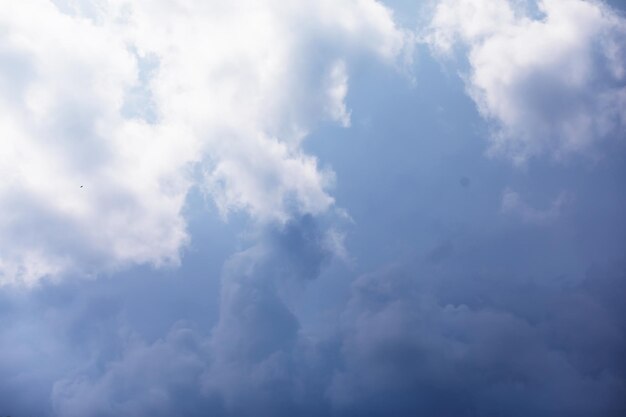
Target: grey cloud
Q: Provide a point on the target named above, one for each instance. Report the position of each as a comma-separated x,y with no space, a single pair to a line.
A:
414,338
418,344
255,360
158,379
261,363
420,337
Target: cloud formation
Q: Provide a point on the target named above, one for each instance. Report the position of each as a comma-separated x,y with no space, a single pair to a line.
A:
112,110
452,345
513,203
552,80
446,307
255,361
412,339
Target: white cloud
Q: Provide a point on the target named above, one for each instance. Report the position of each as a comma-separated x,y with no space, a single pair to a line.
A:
262,176
513,203
337,89
553,84
125,97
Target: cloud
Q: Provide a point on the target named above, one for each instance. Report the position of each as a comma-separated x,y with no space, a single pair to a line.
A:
262,363
109,110
160,379
513,203
459,346
449,333
63,130
254,361
337,89
552,81
411,340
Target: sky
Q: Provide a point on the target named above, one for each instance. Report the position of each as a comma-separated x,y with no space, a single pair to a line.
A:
313,208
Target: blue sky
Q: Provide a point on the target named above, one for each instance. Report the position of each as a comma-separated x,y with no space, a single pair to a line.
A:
332,208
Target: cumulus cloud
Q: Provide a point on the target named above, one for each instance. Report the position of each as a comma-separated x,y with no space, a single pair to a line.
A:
412,339
551,80
62,131
254,362
445,335
108,108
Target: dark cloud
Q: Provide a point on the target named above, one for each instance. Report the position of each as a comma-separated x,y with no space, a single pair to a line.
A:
417,345
260,359
254,361
413,339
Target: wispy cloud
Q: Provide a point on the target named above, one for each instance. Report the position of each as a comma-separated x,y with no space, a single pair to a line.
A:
513,203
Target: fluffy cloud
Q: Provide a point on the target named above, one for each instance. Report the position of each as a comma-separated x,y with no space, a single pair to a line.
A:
78,181
110,109
553,81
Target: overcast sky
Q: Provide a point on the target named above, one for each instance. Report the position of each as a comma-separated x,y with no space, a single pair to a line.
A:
312,208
